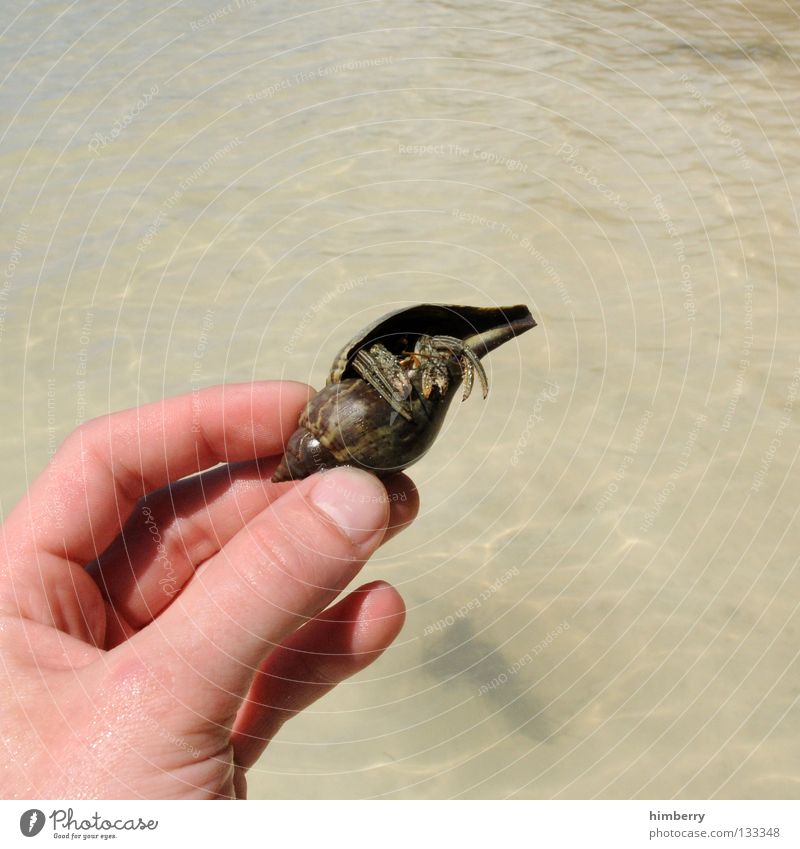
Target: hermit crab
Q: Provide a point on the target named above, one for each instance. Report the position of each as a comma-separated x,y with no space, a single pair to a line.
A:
389,388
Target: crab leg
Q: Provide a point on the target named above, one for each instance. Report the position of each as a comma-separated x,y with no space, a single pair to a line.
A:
373,367
468,360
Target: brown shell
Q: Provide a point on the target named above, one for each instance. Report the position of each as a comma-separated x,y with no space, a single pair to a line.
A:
402,327
349,423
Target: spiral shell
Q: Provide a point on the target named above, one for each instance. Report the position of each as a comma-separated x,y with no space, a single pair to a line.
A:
389,388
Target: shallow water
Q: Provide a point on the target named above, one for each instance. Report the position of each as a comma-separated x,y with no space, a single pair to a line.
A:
602,584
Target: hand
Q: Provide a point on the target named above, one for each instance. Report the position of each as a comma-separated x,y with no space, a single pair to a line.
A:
156,630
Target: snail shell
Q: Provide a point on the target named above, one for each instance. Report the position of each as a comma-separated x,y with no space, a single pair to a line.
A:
385,416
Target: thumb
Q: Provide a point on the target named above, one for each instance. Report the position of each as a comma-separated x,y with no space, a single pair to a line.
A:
278,572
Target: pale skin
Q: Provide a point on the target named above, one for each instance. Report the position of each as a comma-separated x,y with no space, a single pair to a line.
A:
157,630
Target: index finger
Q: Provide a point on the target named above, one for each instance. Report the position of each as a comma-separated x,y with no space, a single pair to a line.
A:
80,502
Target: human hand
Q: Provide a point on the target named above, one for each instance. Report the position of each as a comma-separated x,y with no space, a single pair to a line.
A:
156,630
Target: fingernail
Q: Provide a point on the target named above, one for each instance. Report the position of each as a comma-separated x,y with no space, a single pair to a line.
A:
355,500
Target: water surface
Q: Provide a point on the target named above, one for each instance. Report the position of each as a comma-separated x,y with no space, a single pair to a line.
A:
602,584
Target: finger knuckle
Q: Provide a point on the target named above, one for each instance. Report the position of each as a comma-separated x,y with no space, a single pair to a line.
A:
273,549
